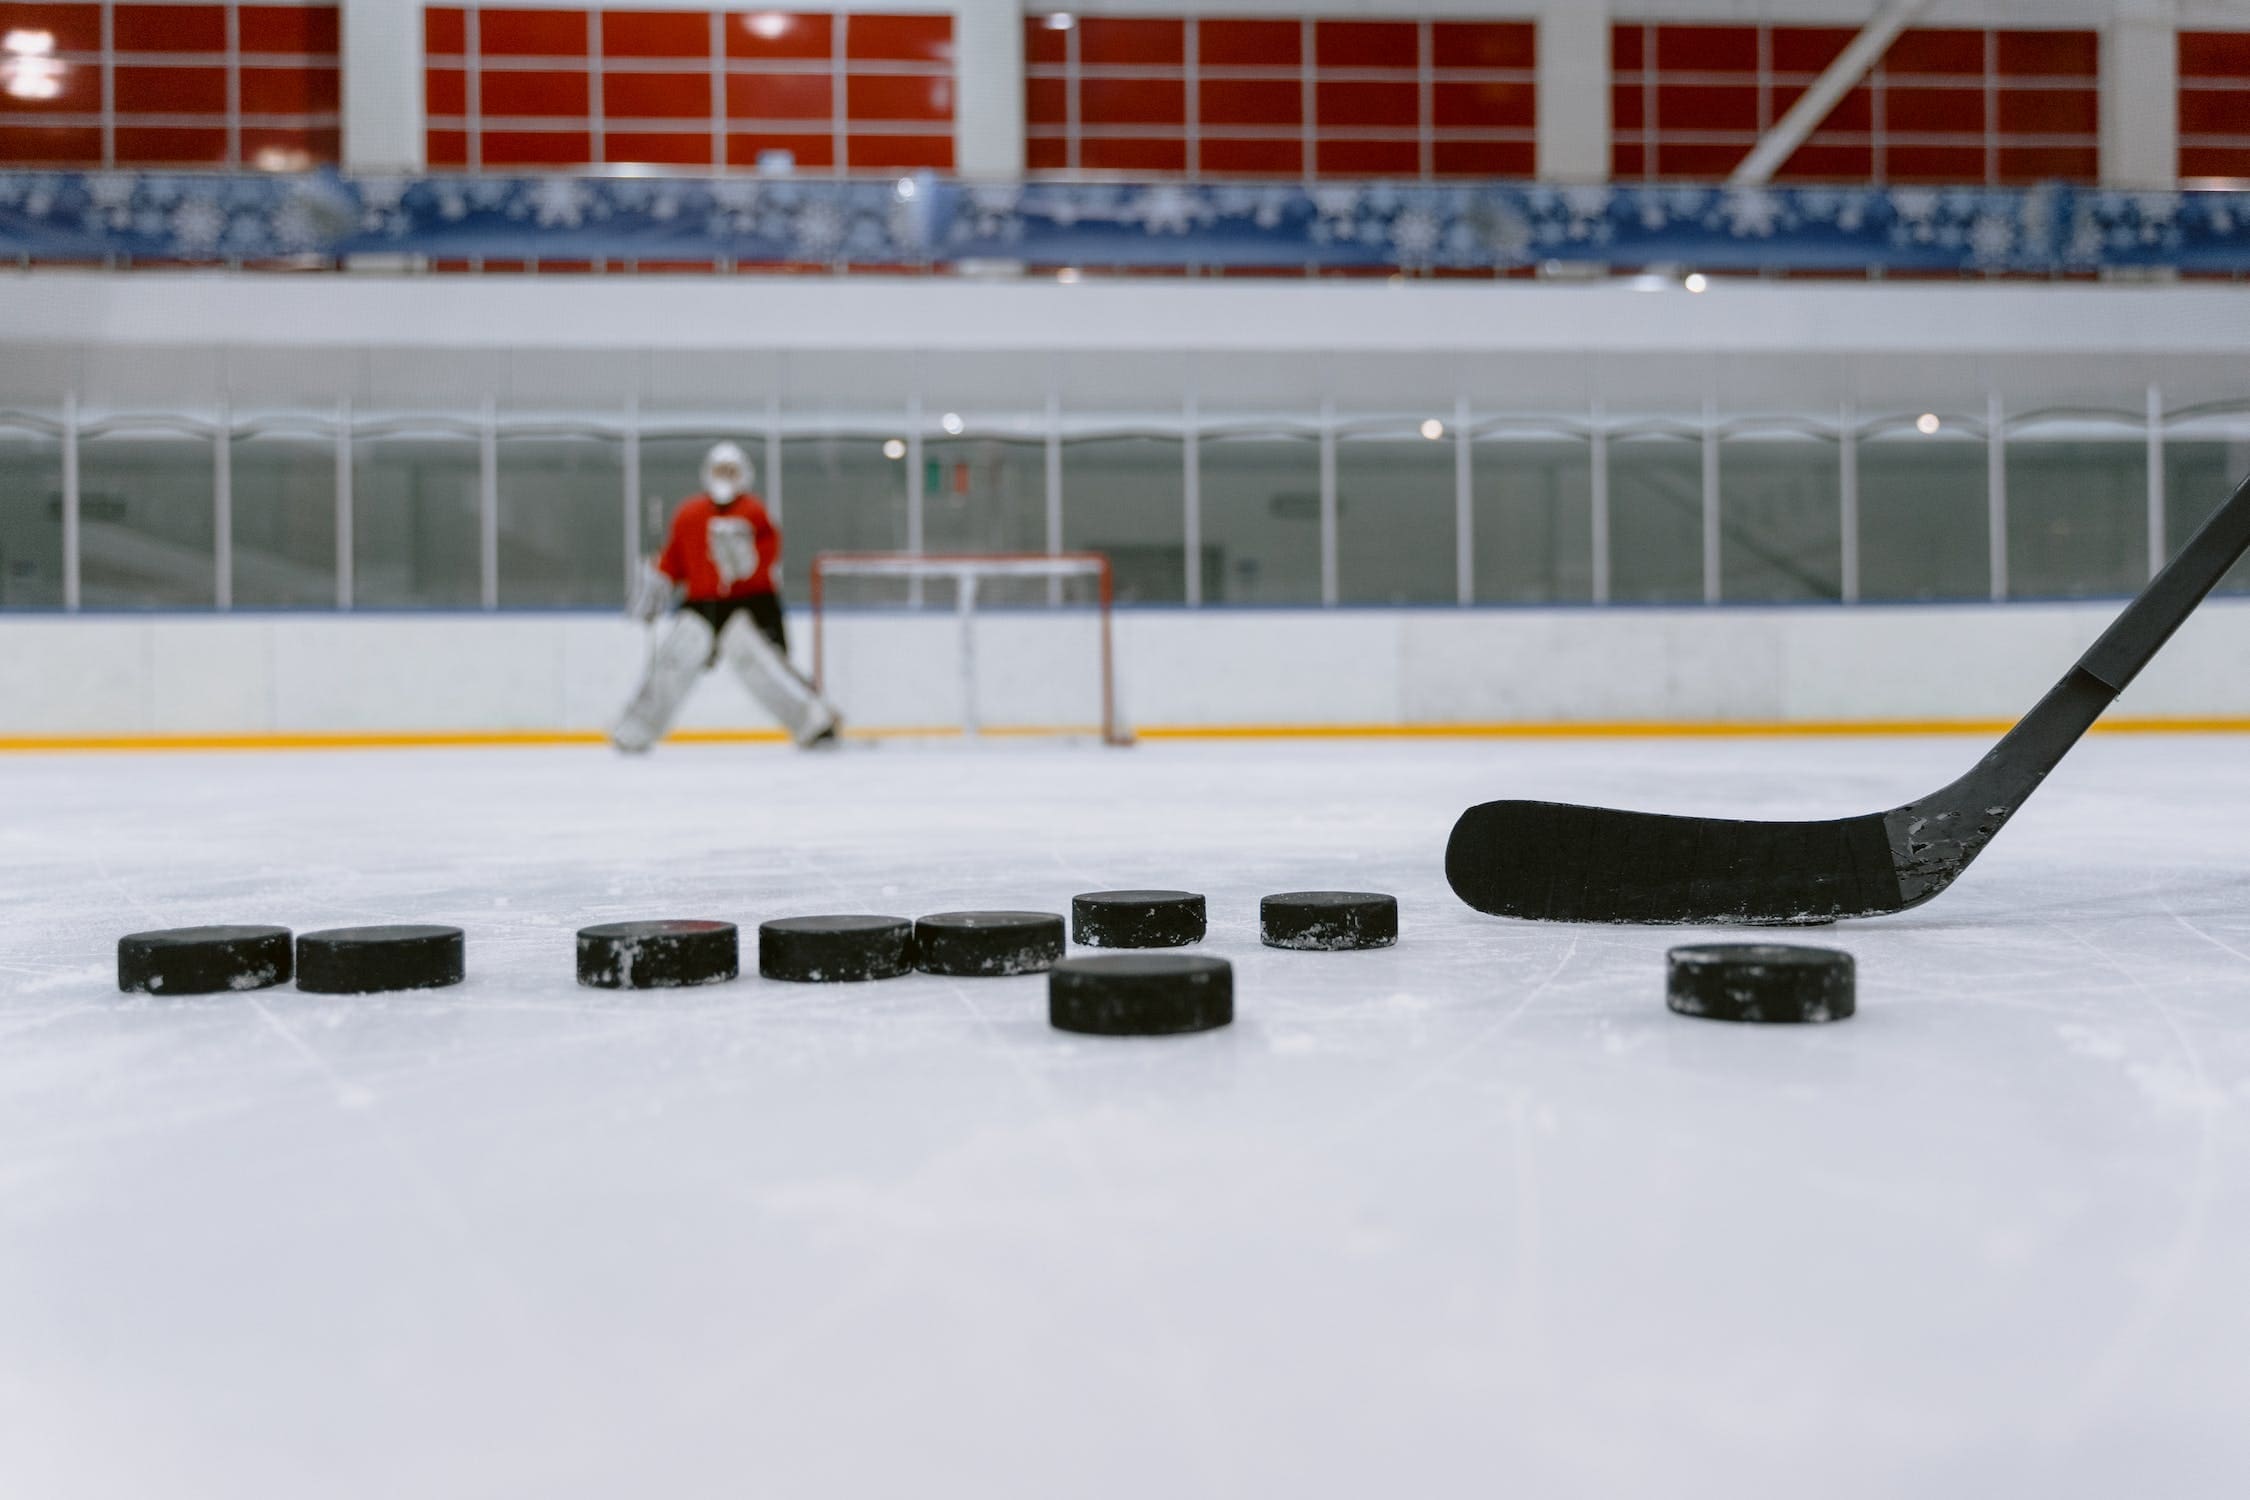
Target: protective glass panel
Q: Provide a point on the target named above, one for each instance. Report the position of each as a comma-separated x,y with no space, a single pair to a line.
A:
1261,517
415,537
842,495
1396,522
31,529
1780,509
284,522
1534,520
2199,475
2077,518
982,494
561,521
1923,529
146,530
1655,520
1127,498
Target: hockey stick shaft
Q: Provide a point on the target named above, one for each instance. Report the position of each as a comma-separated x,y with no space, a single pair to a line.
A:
2148,622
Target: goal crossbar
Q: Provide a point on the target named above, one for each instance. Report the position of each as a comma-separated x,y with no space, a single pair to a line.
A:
965,570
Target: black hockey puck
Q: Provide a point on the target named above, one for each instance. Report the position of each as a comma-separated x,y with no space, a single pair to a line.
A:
1328,920
1140,994
1136,919
975,944
1771,982
657,955
202,960
373,960
823,950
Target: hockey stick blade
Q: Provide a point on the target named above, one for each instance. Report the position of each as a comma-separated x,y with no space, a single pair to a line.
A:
1562,863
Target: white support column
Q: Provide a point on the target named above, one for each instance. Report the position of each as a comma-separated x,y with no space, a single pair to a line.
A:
1054,474
488,507
1711,553
383,101
2140,95
988,88
2159,546
1464,508
1573,91
914,493
1598,478
1847,500
222,510
776,501
1191,498
1996,490
346,582
1328,576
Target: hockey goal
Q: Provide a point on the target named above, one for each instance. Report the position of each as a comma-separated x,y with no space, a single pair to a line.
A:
1032,651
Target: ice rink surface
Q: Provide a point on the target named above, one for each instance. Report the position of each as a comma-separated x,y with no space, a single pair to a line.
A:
1471,1216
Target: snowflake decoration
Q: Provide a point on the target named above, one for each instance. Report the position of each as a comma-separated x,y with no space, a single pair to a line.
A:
1414,236
299,225
817,230
1991,238
562,201
1751,213
1335,203
198,225
1163,210
111,196
13,185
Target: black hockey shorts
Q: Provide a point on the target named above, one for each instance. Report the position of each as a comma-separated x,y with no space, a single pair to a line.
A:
764,611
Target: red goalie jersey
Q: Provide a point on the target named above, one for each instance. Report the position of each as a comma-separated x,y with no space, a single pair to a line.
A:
722,551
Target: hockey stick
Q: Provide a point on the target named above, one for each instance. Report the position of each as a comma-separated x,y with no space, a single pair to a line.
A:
1564,863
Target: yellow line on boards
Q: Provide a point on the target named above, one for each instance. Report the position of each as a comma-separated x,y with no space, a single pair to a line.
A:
1634,729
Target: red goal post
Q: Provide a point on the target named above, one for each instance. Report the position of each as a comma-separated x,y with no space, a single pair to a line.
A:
965,571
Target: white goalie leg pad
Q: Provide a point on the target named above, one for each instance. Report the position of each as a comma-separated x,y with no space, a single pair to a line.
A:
774,683
679,660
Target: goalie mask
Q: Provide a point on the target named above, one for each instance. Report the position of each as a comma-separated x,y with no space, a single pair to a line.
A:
727,472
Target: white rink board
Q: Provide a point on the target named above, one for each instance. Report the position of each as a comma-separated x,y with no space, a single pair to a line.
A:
1474,1215
256,674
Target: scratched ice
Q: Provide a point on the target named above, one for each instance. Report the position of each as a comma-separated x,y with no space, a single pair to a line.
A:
1471,1216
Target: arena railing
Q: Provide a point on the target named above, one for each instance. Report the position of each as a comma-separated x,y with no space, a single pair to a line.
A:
929,223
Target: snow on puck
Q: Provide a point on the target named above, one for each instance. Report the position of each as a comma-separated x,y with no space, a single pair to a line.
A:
1772,982
974,944
1140,994
657,955
202,960
823,950
1328,920
374,960
1136,919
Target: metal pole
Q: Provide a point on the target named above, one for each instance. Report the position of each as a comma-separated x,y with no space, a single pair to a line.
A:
1191,477
632,497
488,506
222,511
1710,500
72,594
344,580
773,495
1464,509
1328,589
1996,490
2158,547
1598,474
1847,500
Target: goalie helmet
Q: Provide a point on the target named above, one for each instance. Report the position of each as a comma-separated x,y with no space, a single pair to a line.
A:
727,472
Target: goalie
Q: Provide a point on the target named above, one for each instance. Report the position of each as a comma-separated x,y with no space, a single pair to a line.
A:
715,576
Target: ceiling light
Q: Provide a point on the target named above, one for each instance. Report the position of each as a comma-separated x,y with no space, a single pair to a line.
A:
894,448
1696,282
1061,20
1927,423
1432,428
1068,276
769,24
952,423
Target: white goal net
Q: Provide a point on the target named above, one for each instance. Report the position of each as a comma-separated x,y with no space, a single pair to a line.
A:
974,643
